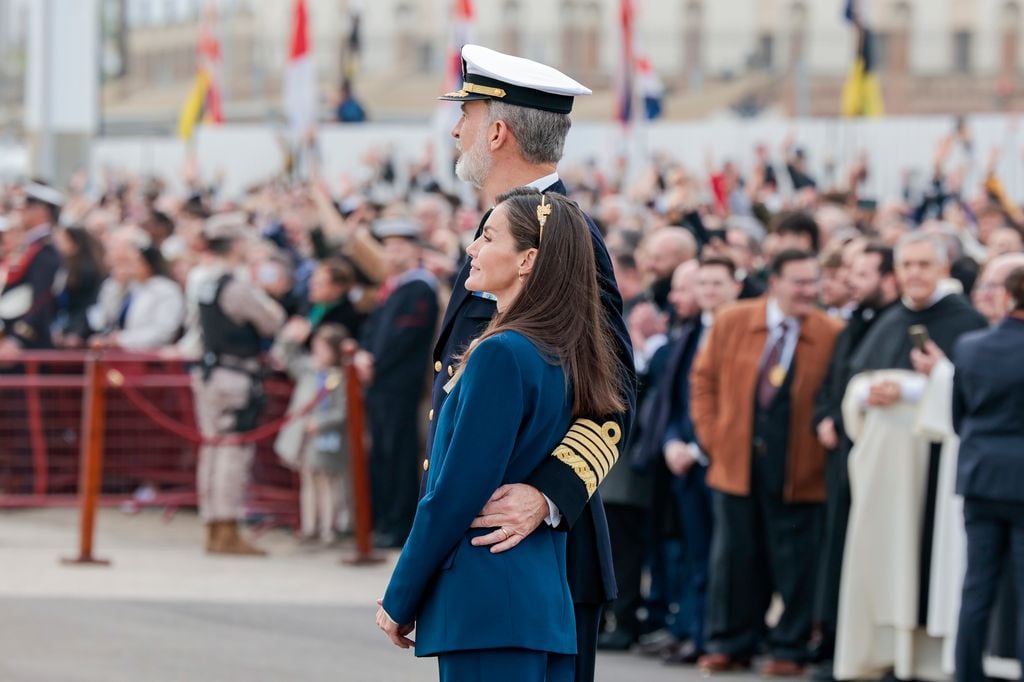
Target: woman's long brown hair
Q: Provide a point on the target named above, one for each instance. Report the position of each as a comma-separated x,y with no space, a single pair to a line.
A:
559,308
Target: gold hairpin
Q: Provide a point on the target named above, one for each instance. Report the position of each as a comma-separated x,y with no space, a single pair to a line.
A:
543,211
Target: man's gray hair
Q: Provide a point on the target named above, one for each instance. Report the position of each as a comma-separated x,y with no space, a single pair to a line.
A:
937,242
540,134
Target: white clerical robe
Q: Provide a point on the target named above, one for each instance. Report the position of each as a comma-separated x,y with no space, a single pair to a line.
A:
877,629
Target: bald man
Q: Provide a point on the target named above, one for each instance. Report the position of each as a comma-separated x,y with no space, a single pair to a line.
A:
664,250
990,296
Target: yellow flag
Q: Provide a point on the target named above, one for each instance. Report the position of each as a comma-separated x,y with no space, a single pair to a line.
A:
193,107
862,93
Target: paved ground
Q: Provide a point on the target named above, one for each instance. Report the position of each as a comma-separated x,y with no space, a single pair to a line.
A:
165,612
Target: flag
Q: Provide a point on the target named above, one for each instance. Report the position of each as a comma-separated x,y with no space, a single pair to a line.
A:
300,96
624,98
204,100
462,24
651,88
354,42
192,111
461,31
862,93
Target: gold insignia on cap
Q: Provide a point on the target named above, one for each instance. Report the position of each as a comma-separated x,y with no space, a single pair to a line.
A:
458,93
483,90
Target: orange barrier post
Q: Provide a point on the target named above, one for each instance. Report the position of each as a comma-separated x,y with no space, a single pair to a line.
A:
91,459
364,553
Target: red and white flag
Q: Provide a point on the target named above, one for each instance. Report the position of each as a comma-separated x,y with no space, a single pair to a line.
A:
300,96
208,50
624,82
461,33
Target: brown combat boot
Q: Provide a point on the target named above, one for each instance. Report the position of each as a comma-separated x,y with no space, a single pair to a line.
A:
230,541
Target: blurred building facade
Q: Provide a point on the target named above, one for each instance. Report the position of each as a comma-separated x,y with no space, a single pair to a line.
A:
785,56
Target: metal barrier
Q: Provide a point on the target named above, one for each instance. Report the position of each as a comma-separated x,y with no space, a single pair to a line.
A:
43,405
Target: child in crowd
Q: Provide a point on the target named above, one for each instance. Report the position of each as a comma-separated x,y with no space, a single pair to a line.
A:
316,444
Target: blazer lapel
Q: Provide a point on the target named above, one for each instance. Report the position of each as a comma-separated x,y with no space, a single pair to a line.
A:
459,296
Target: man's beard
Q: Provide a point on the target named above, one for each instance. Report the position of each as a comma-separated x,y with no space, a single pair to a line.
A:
874,301
474,165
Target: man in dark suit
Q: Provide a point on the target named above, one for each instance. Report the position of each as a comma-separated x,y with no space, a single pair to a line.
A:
28,302
396,342
988,414
670,436
515,116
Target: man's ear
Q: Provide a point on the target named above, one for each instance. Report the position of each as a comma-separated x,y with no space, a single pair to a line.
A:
498,135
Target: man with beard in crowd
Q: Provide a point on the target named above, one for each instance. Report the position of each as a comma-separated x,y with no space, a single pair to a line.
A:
874,289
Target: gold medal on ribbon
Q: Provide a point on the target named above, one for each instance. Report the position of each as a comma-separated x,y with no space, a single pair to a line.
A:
777,375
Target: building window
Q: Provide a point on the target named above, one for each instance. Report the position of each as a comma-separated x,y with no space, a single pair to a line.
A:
764,57
692,45
1011,33
963,42
511,16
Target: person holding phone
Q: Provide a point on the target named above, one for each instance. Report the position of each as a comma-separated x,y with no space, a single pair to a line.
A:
901,376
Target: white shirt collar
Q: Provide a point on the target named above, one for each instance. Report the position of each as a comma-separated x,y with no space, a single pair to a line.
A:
945,288
707,318
775,317
541,184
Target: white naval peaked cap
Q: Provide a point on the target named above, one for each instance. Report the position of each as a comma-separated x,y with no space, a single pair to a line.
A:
44,194
487,74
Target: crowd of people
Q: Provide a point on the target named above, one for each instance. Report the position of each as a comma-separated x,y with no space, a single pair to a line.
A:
793,452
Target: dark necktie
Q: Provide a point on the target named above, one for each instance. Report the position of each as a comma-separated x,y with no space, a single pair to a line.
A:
772,373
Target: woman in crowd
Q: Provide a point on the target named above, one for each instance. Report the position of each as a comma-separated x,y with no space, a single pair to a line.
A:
543,360
140,307
83,265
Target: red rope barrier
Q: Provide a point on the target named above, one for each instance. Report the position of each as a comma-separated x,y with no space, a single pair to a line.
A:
116,379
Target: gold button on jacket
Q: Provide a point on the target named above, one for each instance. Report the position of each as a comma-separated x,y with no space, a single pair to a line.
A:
437,366
426,464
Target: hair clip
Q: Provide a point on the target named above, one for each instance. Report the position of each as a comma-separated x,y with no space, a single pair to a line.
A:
543,211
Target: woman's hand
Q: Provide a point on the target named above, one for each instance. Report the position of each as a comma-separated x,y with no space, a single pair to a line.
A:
395,632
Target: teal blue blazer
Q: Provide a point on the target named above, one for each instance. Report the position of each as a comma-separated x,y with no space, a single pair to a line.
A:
503,417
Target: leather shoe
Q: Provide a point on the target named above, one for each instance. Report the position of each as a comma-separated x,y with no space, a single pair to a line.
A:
823,672
387,541
721,663
655,643
684,653
614,640
777,667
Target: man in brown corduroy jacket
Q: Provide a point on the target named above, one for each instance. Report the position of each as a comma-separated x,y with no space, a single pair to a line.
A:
752,402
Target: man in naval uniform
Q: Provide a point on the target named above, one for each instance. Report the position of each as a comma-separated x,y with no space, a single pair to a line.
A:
234,318
28,301
515,117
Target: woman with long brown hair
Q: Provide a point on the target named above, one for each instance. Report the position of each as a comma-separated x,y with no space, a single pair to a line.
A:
545,359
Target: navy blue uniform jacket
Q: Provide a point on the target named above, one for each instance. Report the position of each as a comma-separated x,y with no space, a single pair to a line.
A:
570,480
506,412
988,412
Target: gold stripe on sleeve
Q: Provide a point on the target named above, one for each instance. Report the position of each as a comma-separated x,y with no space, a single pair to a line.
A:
581,468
